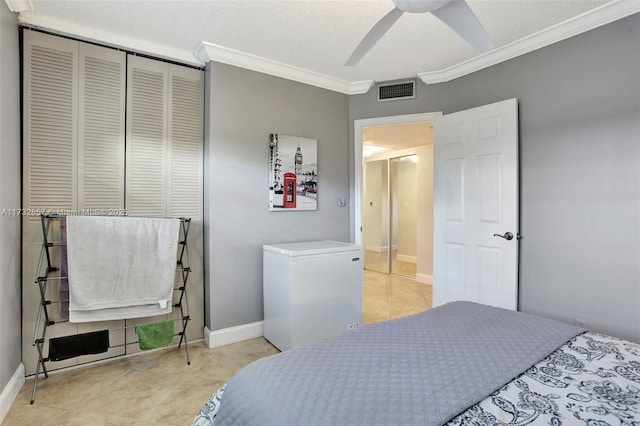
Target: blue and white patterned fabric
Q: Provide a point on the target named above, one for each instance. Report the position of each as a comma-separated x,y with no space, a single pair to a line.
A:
592,380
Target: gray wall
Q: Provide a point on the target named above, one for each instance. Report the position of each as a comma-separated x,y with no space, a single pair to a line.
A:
243,108
579,104
10,303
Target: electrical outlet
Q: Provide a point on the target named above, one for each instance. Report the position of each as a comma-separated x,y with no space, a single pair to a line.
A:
580,323
353,326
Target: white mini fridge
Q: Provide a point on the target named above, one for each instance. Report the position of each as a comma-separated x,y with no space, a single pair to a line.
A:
312,290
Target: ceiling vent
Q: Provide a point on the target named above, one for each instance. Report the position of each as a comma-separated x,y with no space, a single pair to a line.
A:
397,91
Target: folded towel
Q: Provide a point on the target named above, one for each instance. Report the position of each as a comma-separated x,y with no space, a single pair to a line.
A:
61,348
120,267
63,288
155,334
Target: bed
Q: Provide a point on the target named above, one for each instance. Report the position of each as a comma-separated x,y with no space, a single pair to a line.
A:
458,364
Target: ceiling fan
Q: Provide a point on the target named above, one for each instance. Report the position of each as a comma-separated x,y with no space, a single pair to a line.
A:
455,13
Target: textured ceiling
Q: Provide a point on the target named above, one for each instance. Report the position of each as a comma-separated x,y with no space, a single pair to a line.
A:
315,35
397,136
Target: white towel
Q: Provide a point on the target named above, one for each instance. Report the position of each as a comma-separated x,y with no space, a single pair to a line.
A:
120,267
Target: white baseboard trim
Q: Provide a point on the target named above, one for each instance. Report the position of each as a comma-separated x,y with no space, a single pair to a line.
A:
10,391
235,334
377,249
406,258
424,278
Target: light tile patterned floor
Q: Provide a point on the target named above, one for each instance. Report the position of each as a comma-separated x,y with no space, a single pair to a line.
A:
389,296
159,388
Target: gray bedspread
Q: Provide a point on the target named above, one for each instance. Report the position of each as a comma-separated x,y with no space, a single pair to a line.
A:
420,370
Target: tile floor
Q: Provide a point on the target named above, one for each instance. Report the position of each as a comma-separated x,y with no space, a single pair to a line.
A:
388,296
159,388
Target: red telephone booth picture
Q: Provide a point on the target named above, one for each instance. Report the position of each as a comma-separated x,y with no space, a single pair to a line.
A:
289,191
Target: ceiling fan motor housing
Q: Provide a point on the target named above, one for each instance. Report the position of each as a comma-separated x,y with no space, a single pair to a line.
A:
420,6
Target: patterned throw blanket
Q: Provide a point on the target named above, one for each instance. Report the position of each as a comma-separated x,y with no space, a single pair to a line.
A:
422,369
593,380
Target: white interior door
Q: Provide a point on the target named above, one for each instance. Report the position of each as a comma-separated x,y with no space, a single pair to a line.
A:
476,206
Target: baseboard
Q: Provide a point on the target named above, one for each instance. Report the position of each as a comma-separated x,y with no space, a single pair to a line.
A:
424,278
235,334
376,249
10,391
406,258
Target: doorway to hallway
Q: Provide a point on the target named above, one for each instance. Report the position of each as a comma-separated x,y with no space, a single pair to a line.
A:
397,199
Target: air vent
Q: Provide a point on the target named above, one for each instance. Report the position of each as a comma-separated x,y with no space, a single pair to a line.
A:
397,91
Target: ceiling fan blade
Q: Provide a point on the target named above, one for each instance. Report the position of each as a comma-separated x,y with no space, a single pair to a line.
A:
372,37
459,16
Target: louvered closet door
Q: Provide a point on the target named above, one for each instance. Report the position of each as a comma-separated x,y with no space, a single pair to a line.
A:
164,156
76,156
73,155
50,121
146,137
101,129
50,140
184,186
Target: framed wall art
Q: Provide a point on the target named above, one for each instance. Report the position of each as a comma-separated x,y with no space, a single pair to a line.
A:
293,173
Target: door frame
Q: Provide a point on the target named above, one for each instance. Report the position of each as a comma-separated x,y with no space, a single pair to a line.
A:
358,160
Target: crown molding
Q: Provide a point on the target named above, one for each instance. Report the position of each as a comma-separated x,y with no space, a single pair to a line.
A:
589,20
19,5
360,87
206,51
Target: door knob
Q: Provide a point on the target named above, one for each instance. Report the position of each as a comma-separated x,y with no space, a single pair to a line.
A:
506,236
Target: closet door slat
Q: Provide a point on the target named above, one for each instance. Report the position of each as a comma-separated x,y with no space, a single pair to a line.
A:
101,128
50,122
146,137
184,186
